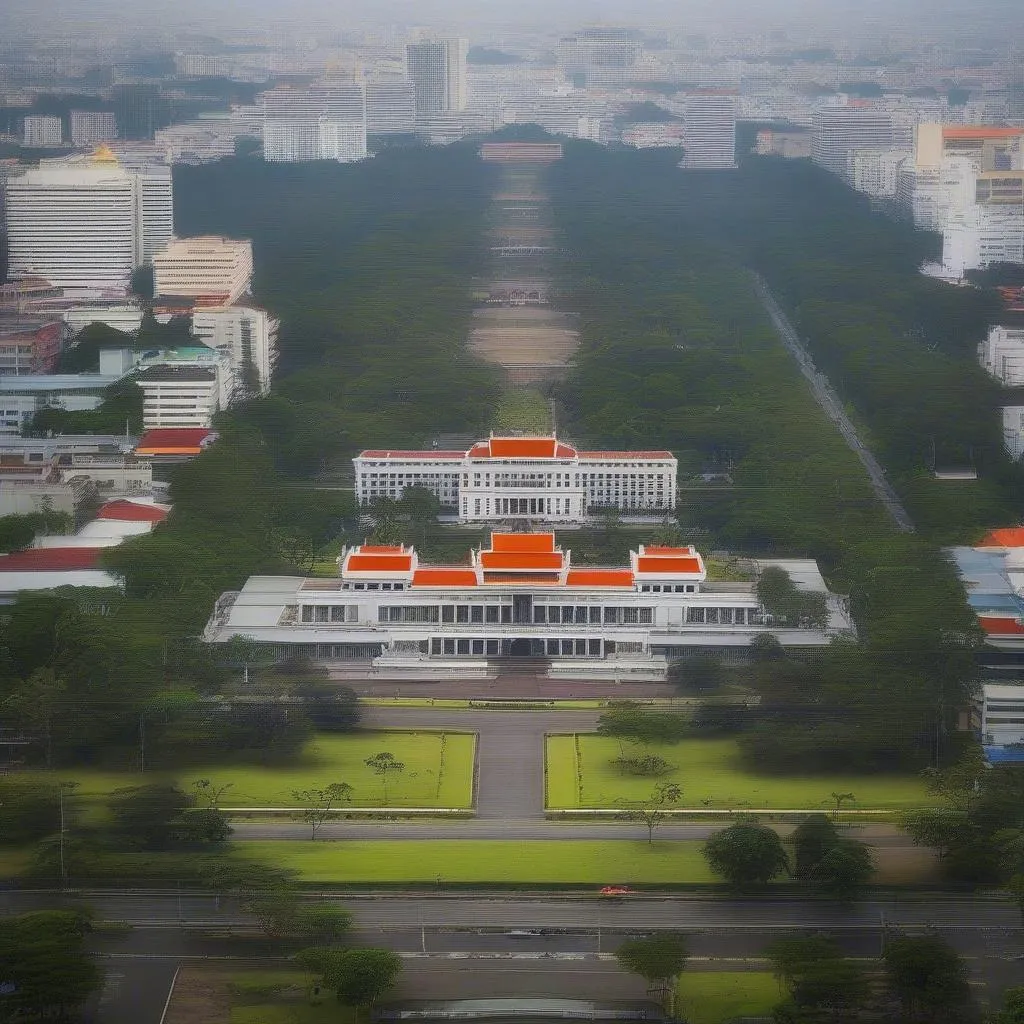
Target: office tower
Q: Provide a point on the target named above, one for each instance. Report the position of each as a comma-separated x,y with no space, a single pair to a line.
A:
709,129
322,122
42,131
208,268
156,198
837,130
437,70
390,105
81,223
140,109
600,56
247,335
91,126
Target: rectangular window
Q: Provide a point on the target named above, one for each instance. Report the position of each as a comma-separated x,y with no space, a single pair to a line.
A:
307,613
581,614
712,616
540,614
506,614
555,614
595,616
725,616
462,613
478,647
611,616
463,647
646,616
552,646
338,613
476,613
567,646
493,613
594,648
695,615
493,648
630,616
447,613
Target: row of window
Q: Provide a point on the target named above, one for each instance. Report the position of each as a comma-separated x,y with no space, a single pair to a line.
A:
330,613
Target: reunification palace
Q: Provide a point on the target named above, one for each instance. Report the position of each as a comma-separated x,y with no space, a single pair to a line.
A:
540,479
519,597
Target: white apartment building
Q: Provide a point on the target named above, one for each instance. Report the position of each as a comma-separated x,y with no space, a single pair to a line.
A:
390,105
1013,430
985,226
709,119
837,130
322,122
91,126
1002,355
86,223
999,715
209,268
520,596
875,172
39,131
437,70
247,335
184,389
523,478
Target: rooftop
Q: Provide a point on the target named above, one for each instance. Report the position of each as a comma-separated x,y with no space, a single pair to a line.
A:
174,374
175,441
50,560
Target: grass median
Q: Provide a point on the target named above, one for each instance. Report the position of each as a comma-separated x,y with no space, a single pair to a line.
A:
711,997
580,774
585,862
438,772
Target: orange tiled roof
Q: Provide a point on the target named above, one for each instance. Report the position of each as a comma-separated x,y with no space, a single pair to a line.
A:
599,578
648,564
378,563
657,549
522,542
382,549
521,560
1011,537
444,577
995,625
504,577
979,132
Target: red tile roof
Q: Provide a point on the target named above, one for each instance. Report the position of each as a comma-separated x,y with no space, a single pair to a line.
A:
505,577
1011,537
668,566
980,132
522,542
378,563
444,577
521,560
995,625
382,549
175,441
522,448
51,560
131,512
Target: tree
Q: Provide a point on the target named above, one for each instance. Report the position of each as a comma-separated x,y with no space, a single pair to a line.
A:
47,971
420,508
699,674
929,979
659,959
384,764
1016,888
812,839
359,976
840,798
1013,1007
208,793
35,702
746,853
719,719
324,923
816,977
653,811
331,708
147,817
844,870
317,804
28,812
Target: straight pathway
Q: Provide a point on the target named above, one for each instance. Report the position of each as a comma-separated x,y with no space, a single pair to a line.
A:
832,407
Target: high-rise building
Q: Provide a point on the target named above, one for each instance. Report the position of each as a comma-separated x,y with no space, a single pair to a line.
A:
85,223
214,270
437,70
247,335
323,122
91,126
600,56
41,131
837,130
709,129
390,105
140,109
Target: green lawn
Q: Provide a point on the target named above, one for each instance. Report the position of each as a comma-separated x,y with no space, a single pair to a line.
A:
13,861
282,997
710,774
327,758
590,862
710,997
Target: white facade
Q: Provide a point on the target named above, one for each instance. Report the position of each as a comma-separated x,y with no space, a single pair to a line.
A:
183,394
709,119
42,131
653,135
91,126
86,223
999,715
248,336
1002,355
521,596
1013,430
437,70
322,122
207,266
837,130
875,172
540,479
390,105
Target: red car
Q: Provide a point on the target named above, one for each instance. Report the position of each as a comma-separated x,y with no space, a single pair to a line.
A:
615,890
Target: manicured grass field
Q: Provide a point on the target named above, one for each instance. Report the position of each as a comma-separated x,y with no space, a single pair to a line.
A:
590,862
327,758
710,997
282,997
710,774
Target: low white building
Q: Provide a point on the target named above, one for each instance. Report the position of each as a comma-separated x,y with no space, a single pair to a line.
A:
1002,354
518,597
999,715
875,171
91,126
183,389
40,131
523,478
209,268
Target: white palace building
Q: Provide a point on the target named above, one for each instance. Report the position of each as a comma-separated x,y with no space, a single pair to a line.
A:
527,478
519,597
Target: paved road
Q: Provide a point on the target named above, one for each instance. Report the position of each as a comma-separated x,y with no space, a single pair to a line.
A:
525,828
832,407
510,753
